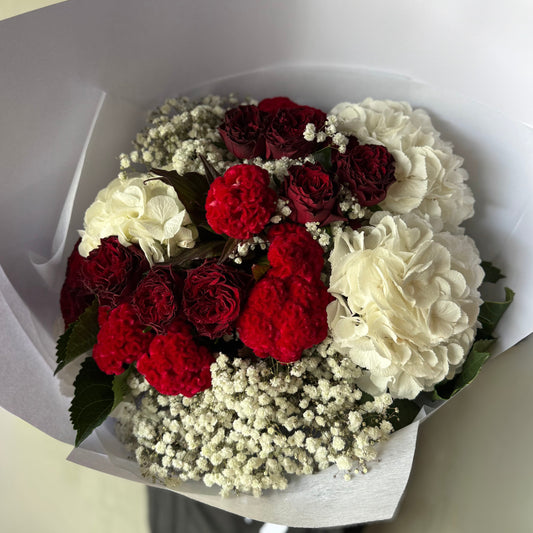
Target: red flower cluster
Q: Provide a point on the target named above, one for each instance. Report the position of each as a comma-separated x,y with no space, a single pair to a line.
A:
121,339
212,298
286,310
240,203
273,129
176,364
367,169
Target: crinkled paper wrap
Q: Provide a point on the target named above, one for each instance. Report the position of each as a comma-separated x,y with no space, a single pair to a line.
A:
52,183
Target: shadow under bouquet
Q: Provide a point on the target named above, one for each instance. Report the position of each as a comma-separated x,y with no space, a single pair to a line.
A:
267,289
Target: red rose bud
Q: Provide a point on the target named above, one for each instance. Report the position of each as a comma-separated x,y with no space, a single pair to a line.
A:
273,105
284,136
284,316
75,296
158,298
243,131
367,169
240,203
112,271
212,298
175,364
121,339
312,195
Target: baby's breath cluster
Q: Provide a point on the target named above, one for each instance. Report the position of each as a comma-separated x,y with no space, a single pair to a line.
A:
259,423
178,132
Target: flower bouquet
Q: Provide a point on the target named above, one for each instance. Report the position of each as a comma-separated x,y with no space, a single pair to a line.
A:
269,290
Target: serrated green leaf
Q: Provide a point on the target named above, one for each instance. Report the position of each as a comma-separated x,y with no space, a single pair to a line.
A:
407,411
490,314
79,337
191,189
492,274
96,394
476,358
93,399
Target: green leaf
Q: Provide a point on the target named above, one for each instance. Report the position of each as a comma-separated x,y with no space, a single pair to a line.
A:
491,312
406,413
230,246
96,394
210,172
476,358
206,250
323,157
191,189
492,274
79,337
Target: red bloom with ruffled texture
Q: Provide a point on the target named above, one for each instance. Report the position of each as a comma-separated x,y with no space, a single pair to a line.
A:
293,252
121,339
112,271
75,296
176,364
240,203
284,316
157,298
273,105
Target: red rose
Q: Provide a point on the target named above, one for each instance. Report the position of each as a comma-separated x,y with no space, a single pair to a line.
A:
367,169
243,131
293,252
284,316
240,203
121,339
158,298
175,364
212,298
311,194
112,271
273,105
75,296
284,136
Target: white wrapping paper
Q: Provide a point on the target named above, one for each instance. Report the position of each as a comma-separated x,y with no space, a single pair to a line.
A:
80,84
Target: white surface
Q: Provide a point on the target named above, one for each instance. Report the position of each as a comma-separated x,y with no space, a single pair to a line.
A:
57,62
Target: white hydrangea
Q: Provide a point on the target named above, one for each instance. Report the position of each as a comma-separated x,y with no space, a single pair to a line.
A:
406,302
147,213
430,180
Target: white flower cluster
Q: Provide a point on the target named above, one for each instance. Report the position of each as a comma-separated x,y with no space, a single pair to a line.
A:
178,132
139,210
406,302
430,180
257,424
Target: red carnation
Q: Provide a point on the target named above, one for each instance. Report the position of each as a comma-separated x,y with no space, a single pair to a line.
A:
273,105
175,364
212,298
243,131
293,252
112,271
367,169
75,296
312,195
284,316
284,136
121,339
240,203
158,297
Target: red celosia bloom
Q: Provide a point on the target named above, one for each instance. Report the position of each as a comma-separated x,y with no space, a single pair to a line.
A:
273,105
121,340
284,316
240,203
175,364
293,251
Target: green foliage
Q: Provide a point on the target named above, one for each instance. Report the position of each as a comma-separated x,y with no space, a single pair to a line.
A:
405,412
96,394
79,337
492,274
490,314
